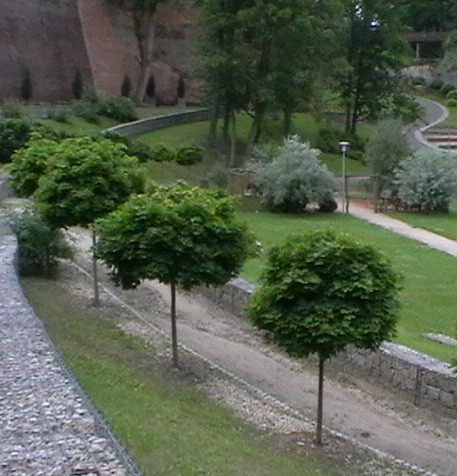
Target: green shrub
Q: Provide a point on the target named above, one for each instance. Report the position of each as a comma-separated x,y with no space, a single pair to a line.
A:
162,153
40,246
189,155
328,205
452,102
14,133
427,180
60,114
294,178
120,109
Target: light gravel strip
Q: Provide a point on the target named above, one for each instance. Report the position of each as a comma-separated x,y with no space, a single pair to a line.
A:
256,391
48,426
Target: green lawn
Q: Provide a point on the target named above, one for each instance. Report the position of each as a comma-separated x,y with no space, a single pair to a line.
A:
429,299
168,428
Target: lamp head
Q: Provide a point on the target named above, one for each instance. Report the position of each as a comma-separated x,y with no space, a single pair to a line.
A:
344,145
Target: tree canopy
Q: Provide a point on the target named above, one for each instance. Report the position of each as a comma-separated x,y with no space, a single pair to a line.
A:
86,179
322,292
180,235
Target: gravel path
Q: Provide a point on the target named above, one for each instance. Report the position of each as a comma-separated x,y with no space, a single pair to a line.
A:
48,428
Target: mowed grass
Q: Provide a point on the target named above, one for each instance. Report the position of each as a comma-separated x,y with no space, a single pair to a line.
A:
428,297
168,428
305,125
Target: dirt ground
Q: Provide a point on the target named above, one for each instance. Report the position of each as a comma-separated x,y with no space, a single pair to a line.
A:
231,362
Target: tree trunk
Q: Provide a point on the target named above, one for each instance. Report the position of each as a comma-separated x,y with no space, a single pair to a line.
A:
233,139
320,400
144,32
174,333
287,122
256,128
95,269
212,135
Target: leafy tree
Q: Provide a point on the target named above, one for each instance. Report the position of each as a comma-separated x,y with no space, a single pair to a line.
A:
427,180
263,56
189,155
375,52
429,15
40,245
384,151
180,235
322,292
161,153
86,179
143,20
294,177
29,164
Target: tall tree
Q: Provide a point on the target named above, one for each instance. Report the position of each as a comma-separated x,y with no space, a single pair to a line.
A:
182,236
322,292
86,179
264,55
143,12
429,15
374,52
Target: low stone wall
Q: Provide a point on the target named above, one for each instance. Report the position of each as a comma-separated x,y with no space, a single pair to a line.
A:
426,381
136,128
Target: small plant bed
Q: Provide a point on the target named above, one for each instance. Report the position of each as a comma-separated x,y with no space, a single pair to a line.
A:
163,416
428,298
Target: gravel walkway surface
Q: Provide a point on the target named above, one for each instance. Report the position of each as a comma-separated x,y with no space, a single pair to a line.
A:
47,425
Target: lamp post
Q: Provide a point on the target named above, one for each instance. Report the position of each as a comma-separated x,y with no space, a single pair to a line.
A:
345,202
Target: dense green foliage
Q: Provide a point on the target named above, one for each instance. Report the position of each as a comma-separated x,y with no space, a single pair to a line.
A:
29,164
189,155
427,181
374,52
182,236
178,234
294,178
321,292
40,245
86,179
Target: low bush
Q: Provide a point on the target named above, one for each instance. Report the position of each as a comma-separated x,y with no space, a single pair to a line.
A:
294,178
189,155
40,246
427,180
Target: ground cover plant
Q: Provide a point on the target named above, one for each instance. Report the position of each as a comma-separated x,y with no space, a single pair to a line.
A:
167,427
427,299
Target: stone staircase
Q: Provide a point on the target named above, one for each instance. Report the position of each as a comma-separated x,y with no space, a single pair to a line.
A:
442,137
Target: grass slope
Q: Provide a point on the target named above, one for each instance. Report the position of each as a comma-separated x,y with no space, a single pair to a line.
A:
428,297
168,428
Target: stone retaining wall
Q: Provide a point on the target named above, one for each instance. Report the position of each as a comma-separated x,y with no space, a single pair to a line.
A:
426,381
136,128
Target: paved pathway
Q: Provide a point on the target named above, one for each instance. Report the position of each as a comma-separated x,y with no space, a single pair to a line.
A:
432,240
